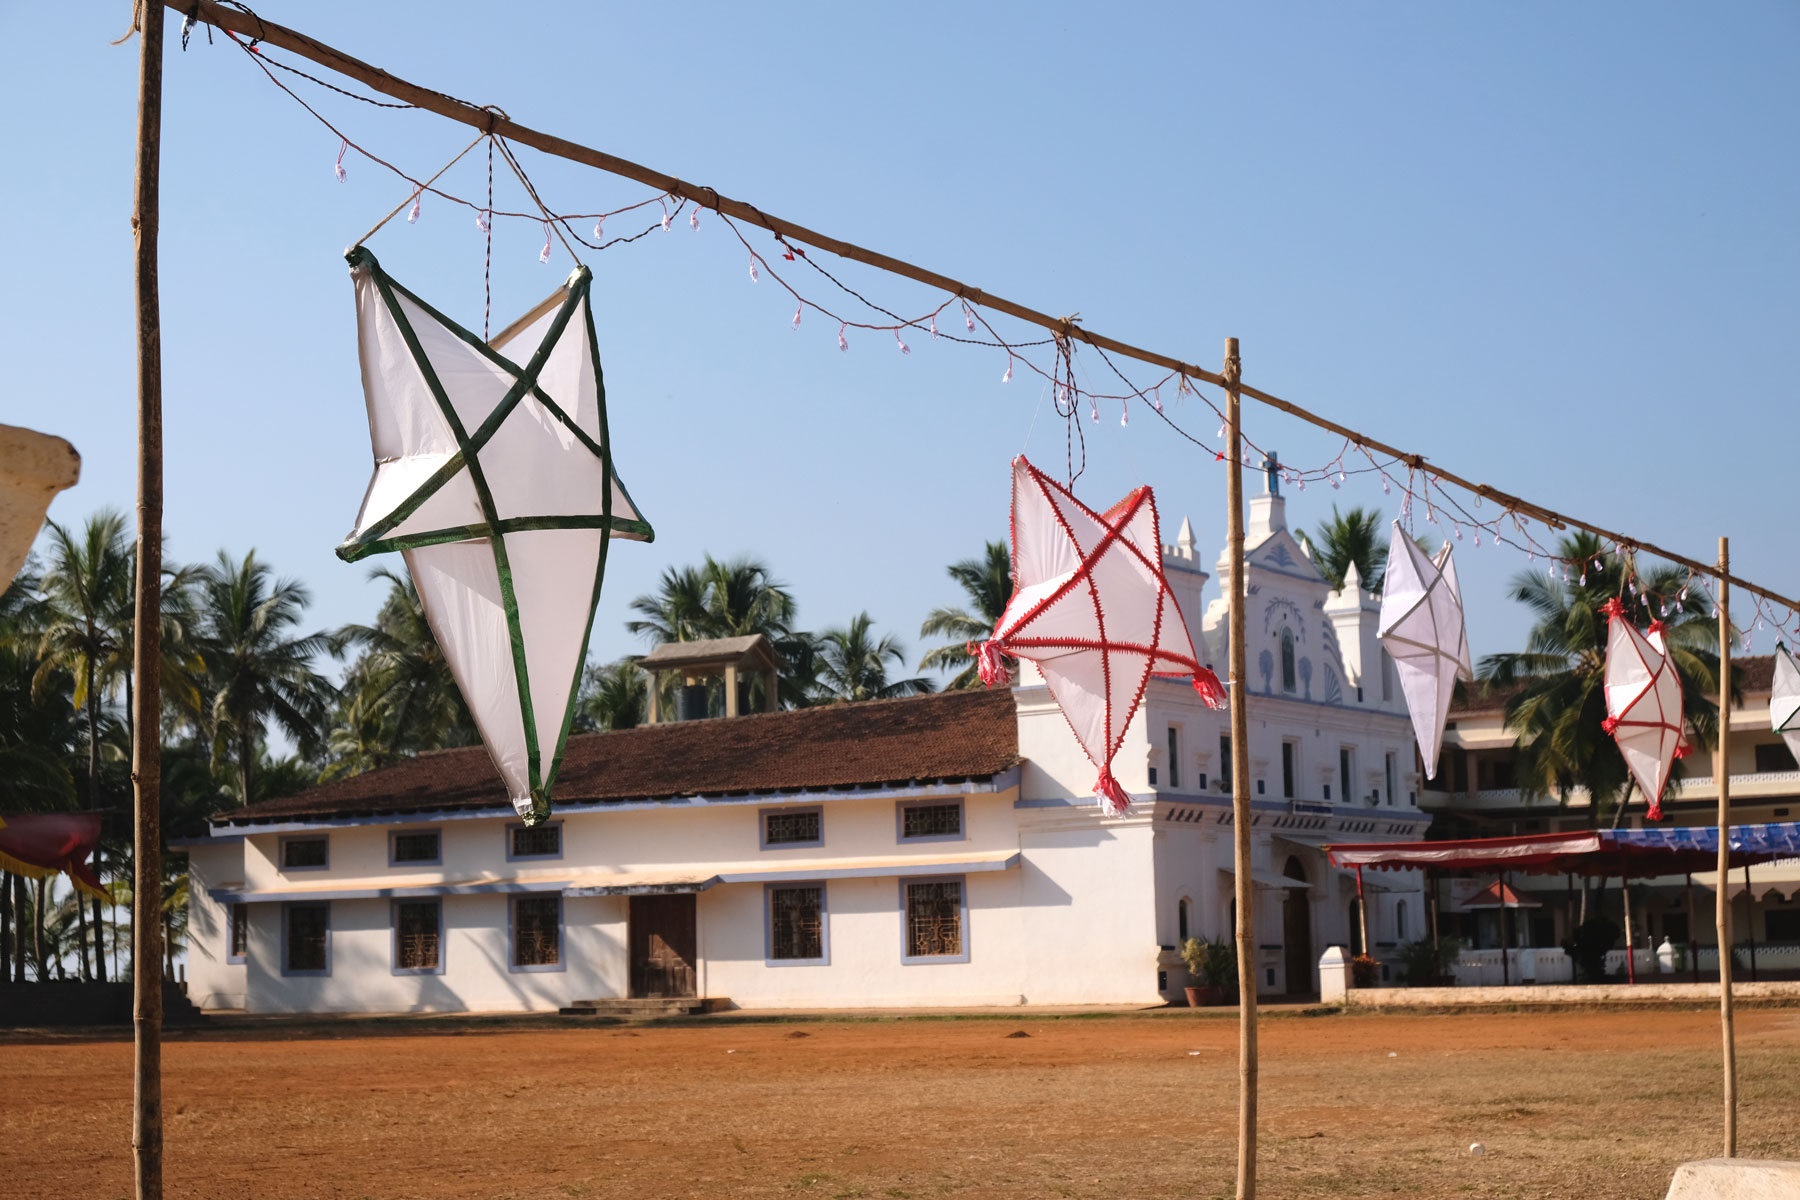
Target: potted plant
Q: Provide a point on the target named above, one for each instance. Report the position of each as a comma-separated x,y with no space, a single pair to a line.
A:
1214,964
1425,963
1364,971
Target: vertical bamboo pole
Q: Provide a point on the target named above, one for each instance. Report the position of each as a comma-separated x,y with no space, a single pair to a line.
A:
1362,914
1722,907
1240,786
146,750
1750,921
1693,937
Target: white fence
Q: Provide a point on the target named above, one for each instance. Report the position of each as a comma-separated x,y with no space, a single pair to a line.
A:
1481,968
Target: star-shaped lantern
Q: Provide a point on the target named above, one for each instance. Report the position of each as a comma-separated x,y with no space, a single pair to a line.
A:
1643,702
1784,699
495,480
1421,628
1091,608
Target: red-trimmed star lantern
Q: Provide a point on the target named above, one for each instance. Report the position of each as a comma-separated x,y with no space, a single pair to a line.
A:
1643,702
1091,607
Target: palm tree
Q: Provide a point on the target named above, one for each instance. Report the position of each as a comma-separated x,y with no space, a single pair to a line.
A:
613,696
85,588
853,665
40,731
257,669
400,688
988,583
1355,537
1558,711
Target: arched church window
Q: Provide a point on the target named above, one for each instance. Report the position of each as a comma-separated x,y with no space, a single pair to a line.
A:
1287,660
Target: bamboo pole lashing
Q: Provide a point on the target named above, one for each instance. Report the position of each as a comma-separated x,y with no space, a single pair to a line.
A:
491,121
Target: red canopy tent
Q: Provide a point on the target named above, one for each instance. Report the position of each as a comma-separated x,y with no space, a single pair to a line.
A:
1596,853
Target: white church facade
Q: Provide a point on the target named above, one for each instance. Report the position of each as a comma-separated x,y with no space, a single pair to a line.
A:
936,851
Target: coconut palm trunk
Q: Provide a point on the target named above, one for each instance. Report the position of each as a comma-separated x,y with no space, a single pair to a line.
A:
37,930
93,799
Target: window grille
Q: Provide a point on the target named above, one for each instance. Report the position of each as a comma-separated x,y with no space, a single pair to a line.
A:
416,942
541,841
416,847
797,923
537,933
931,820
240,931
303,852
934,919
790,828
307,926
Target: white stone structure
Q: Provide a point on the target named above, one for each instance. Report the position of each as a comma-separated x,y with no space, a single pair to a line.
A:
934,851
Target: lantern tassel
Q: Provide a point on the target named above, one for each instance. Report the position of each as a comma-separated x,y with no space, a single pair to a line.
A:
1115,801
1212,692
990,664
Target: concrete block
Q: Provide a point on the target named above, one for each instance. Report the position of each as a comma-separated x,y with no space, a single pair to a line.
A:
1736,1179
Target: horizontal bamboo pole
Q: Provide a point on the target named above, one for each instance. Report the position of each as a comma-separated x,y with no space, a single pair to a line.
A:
493,121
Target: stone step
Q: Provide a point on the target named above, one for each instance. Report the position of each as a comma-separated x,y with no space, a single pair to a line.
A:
646,1007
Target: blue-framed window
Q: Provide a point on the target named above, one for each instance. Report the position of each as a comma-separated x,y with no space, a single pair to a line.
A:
306,938
527,842
237,933
415,848
419,936
304,852
934,920
929,821
796,930
785,828
536,922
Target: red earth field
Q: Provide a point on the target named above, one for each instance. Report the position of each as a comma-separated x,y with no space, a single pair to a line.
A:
1575,1104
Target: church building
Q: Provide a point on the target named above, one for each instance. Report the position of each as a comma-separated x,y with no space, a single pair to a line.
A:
935,851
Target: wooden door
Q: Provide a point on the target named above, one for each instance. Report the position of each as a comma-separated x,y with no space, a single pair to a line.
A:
662,946
1296,937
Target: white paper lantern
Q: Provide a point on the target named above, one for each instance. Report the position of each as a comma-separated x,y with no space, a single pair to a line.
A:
1643,702
494,478
1091,608
1784,699
34,467
1421,628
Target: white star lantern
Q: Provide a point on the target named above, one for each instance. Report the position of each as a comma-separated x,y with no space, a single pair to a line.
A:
1784,699
1091,608
1643,702
1421,628
495,480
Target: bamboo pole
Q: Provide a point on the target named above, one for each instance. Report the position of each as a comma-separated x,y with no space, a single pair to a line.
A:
1362,916
488,120
146,750
1240,787
1722,906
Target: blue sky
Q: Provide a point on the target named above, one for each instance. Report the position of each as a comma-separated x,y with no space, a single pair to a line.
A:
1551,247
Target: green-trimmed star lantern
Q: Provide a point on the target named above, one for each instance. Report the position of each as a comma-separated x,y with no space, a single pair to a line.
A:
495,481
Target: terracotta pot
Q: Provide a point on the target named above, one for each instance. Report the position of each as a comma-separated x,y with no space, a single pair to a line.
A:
1194,998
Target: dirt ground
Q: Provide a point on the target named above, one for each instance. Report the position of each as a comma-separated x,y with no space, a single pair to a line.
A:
1568,1104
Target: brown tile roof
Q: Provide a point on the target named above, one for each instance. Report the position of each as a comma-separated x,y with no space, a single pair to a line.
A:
1755,676
948,736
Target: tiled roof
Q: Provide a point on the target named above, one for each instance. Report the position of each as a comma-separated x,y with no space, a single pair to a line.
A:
1755,676
953,735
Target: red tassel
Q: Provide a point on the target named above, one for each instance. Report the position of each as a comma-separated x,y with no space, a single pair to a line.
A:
990,665
1654,812
1682,750
1608,725
1212,692
1613,609
1115,801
